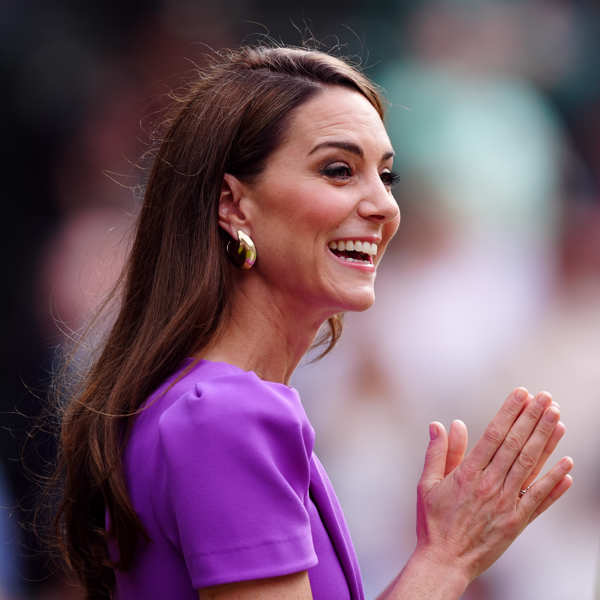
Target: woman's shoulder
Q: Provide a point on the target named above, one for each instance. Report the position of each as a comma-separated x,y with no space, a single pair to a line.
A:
221,396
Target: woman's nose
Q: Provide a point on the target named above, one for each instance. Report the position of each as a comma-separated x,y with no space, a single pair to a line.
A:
378,204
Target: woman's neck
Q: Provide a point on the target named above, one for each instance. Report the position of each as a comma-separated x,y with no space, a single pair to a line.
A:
263,334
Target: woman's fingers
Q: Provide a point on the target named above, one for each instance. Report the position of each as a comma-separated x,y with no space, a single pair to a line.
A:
551,444
458,439
496,431
471,507
531,452
513,448
544,492
435,456
559,489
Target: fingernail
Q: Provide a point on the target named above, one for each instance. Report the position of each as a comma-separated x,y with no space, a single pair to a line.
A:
433,431
566,463
543,399
521,394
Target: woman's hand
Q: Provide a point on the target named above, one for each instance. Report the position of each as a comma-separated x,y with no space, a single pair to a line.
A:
471,508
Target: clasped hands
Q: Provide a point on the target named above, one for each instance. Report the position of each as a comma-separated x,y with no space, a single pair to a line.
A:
470,508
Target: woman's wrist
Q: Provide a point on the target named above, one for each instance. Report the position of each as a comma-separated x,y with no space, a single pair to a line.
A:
427,576
442,566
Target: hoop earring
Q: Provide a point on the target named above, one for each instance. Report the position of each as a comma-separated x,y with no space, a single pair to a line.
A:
244,256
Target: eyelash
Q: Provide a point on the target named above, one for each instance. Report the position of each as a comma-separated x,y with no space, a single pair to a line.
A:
390,178
343,171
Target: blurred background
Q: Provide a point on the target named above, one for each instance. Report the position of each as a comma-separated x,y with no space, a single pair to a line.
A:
492,282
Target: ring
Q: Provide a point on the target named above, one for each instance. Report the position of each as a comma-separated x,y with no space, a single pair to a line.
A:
523,492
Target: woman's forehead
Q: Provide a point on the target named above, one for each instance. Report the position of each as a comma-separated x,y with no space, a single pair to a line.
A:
338,113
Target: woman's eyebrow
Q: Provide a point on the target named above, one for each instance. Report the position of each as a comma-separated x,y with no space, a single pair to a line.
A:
349,147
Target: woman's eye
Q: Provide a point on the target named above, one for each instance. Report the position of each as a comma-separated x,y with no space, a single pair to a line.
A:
337,171
389,178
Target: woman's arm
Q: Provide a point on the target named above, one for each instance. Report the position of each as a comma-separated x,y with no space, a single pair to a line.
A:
288,587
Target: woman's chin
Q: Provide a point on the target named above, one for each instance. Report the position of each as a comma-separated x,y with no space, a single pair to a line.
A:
358,302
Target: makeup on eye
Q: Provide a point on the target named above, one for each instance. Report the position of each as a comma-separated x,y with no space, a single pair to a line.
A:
337,170
390,178
343,171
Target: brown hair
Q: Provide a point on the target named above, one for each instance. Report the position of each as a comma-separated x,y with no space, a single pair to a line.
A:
231,118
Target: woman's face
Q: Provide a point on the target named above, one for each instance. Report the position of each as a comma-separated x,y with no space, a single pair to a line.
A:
322,213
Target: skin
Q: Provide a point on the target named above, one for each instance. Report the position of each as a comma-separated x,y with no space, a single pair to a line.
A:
469,509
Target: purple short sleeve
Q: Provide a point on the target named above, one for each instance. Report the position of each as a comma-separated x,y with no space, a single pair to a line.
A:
236,454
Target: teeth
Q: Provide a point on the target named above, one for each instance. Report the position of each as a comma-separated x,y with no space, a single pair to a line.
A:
357,245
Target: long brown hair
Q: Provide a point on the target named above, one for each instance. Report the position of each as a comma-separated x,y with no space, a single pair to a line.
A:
177,281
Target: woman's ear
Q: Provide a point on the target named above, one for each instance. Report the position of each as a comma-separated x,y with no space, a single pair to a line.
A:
231,213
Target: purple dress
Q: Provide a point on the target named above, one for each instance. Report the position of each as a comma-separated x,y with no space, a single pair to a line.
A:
221,470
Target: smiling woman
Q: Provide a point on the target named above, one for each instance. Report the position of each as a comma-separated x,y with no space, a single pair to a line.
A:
188,461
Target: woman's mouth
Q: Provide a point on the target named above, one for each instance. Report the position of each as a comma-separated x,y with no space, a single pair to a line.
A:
354,251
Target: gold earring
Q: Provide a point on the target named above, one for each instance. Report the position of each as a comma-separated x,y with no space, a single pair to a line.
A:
244,256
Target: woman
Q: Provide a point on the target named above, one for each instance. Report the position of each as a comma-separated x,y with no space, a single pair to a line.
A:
188,461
